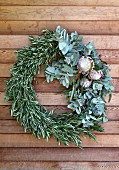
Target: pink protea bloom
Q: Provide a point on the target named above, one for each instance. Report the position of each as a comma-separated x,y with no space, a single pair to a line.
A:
95,75
85,64
85,82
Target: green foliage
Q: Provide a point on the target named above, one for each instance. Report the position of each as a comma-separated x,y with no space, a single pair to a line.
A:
59,52
71,46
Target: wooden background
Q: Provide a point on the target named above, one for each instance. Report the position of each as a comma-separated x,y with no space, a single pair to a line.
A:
97,20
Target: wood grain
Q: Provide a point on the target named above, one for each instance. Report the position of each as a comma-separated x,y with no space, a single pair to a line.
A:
59,99
12,126
109,56
51,98
112,112
59,154
7,56
82,27
58,13
5,70
19,41
29,141
55,86
60,2
95,20
43,86
59,165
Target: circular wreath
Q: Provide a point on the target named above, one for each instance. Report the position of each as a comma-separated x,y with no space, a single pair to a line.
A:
79,68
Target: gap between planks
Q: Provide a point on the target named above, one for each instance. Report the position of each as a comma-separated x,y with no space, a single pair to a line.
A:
60,3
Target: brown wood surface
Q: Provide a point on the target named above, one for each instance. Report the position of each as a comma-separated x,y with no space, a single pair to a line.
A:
58,13
43,86
110,42
59,154
61,2
5,70
112,112
59,99
29,141
12,126
98,21
82,27
55,86
59,165
109,56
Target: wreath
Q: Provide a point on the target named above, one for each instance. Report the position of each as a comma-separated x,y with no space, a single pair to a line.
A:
79,68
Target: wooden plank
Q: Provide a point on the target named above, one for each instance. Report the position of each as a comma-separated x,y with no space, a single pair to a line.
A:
58,13
9,41
59,154
102,42
59,165
82,27
51,98
55,86
112,112
7,56
27,141
109,56
59,99
5,111
43,86
111,127
19,41
5,70
60,2
12,126
116,85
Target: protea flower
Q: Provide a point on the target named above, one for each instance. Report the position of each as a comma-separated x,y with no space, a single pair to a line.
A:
95,75
85,82
85,64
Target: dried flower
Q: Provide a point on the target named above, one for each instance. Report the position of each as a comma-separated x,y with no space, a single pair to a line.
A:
95,75
85,82
85,64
